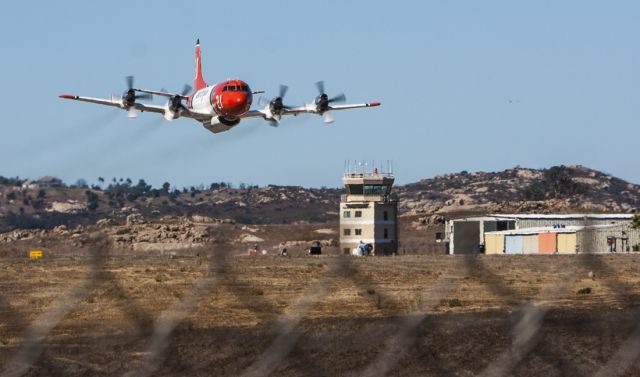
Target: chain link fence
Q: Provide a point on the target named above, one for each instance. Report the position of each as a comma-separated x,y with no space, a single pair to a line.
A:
409,339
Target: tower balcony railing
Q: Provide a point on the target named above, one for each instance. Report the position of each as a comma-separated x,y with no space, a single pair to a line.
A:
369,175
369,198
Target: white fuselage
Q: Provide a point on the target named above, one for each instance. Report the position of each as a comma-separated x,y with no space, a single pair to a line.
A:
201,101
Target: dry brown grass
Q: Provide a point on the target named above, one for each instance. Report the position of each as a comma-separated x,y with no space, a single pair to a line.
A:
252,294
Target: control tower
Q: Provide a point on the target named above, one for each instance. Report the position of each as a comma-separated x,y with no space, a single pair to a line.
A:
368,213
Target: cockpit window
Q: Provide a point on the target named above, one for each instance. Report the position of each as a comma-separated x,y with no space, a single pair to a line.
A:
235,88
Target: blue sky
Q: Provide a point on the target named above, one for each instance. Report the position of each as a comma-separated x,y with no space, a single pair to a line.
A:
445,72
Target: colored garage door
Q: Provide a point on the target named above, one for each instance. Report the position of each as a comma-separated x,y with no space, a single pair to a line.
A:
513,244
493,243
547,243
566,243
530,244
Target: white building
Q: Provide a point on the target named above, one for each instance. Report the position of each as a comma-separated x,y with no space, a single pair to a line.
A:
44,182
368,214
522,233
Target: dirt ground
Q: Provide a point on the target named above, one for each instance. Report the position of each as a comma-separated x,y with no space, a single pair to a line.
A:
215,311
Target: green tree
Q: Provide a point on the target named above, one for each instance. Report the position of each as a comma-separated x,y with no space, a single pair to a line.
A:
556,183
165,187
93,201
635,222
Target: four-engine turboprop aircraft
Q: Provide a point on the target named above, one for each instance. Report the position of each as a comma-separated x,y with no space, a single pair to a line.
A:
219,107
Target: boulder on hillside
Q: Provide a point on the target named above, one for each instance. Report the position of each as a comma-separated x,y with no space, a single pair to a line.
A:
104,222
201,219
70,207
61,230
250,238
134,219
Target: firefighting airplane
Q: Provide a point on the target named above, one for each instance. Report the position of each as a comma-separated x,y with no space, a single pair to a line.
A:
219,107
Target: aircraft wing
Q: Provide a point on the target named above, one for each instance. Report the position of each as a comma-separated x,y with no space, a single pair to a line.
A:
101,101
253,114
311,108
353,106
115,102
159,93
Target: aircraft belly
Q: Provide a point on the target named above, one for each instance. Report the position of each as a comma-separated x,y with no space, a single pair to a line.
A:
217,127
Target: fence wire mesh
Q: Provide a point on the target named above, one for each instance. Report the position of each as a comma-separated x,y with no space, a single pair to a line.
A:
410,329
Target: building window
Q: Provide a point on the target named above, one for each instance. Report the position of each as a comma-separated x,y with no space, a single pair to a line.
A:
439,236
358,213
346,214
355,189
358,232
386,233
346,250
346,232
385,215
376,190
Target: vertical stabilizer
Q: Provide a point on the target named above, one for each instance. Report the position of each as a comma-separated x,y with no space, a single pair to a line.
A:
198,81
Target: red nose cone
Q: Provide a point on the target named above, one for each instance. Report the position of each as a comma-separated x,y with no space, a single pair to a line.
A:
236,103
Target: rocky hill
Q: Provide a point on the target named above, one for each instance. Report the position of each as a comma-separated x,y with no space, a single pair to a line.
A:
521,190
29,205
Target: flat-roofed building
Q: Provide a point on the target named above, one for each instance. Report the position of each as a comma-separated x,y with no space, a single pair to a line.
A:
544,233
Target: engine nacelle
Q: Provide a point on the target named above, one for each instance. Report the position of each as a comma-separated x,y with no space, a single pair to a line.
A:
170,115
173,108
322,103
219,124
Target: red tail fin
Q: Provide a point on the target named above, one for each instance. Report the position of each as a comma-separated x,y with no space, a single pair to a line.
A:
198,81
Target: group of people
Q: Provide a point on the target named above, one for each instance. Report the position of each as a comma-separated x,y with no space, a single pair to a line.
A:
363,249
282,250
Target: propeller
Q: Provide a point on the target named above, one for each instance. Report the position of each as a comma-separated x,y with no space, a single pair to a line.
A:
275,107
320,86
323,101
283,90
129,97
175,106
